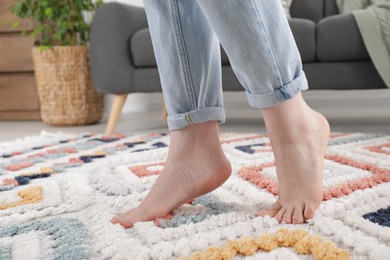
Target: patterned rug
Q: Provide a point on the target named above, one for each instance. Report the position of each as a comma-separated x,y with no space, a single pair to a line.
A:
58,193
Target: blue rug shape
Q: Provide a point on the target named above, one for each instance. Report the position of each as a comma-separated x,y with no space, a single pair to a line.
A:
69,235
381,217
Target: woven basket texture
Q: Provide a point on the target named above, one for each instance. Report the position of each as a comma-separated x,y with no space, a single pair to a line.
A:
66,94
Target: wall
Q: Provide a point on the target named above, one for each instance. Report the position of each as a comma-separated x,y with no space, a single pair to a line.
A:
18,92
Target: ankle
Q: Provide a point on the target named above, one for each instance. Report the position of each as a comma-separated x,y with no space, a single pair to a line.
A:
292,133
197,135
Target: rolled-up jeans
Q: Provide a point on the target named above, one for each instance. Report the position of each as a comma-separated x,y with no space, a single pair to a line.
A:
255,34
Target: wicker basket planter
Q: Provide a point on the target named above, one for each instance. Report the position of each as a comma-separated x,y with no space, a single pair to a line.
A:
65,90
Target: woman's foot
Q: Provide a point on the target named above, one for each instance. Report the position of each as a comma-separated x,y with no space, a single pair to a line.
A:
299,138
196,165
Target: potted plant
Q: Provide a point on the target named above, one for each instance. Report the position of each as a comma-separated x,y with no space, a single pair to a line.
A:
61,59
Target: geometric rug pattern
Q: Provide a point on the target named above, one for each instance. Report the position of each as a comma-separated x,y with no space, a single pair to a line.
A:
58,193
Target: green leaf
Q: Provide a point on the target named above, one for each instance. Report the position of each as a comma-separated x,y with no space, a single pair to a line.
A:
49,12
99,3
58,36
15,24
58,20
43,48
36,31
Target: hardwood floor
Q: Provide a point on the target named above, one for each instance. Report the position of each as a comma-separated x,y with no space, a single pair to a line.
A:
347,111
153,122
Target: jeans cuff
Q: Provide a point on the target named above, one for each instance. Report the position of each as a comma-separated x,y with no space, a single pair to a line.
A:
279,95
201,115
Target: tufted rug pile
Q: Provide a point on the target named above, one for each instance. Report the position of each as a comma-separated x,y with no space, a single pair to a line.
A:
58,193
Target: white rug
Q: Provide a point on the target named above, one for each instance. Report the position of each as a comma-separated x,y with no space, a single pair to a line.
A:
58,193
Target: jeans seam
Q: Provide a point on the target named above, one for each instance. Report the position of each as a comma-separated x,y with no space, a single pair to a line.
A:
187,119
267,40
182,53
190,119
280,94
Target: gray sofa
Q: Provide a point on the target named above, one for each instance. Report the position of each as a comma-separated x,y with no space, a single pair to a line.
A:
332,50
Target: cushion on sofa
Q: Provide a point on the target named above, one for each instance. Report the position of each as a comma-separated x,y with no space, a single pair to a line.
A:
304,32
339,39
142,54
307,9
141,49
331,8
343,75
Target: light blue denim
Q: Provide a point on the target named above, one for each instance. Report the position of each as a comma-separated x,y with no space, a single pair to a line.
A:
256,37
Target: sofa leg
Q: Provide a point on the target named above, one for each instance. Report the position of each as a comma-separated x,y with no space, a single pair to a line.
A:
164,112
115,113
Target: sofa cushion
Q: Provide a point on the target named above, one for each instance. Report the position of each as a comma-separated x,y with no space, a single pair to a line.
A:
141,49
331,8
142,54
224,57
304,32
307,9
343,75
339,39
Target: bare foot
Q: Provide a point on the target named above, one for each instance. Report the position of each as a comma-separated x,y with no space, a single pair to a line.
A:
196,165
299,140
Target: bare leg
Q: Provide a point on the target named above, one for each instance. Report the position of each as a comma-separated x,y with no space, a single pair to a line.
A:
196,165
299,137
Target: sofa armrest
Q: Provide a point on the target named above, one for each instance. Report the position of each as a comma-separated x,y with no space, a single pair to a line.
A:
111,64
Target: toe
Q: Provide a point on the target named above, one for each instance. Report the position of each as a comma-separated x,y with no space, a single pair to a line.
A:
124,221
297,217
262,213
272,210
115,220
288,215
279,216
309,212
